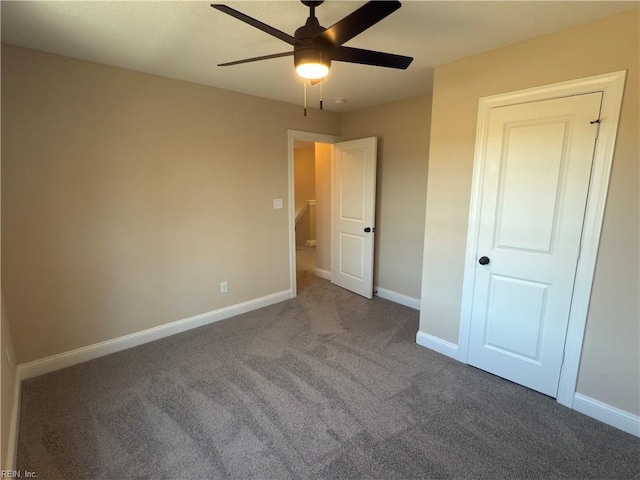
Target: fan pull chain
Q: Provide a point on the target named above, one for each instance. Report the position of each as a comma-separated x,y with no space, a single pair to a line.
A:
305,98
321,85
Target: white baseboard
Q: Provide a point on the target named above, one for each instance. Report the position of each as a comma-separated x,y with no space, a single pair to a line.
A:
591,407
73,357
438,345
323,274
310,243
397,297
606,413
12,442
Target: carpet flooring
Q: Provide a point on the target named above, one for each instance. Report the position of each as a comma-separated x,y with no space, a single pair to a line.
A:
328,385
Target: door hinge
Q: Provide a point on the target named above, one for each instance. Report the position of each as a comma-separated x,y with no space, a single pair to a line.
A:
597,122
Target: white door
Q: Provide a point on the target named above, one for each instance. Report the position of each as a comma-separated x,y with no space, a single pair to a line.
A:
353,215
536,179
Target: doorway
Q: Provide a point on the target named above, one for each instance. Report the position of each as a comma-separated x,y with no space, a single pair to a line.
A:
305,211
309,217
342,215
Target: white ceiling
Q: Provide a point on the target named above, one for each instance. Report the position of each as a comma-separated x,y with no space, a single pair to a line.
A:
185,40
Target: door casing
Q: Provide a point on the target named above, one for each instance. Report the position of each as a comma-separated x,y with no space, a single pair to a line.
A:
612,86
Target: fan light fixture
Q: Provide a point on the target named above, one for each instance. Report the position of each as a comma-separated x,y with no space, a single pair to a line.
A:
312,71
311,63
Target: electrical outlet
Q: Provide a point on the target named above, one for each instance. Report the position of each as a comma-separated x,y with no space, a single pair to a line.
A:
224,287
277,203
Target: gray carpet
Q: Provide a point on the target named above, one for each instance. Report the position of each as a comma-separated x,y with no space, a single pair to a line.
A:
325,386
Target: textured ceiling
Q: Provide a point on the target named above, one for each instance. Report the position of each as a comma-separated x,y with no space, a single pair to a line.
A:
185,40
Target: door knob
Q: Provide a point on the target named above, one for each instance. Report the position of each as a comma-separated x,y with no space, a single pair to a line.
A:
367,229
484,260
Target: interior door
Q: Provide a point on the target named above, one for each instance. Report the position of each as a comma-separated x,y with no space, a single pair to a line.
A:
353,215
536,180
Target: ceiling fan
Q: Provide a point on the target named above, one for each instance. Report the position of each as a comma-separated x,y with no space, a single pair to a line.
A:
314,46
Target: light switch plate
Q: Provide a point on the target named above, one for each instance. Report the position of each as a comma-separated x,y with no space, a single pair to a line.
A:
277,203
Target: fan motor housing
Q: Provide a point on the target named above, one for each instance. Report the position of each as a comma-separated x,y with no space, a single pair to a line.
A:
308,51
311,54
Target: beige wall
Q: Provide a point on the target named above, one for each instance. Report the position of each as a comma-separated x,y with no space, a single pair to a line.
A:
127,198
8,371
305,189
609,369
305,175
323,153
8,374
402,129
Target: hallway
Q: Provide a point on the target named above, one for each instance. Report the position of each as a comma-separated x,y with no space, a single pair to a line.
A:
305,265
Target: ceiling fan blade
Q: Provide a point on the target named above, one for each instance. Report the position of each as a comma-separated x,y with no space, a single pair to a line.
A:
357,22
370,57
255,23
255,59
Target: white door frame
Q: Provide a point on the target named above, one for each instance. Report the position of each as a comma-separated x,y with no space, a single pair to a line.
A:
292,136
612,86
